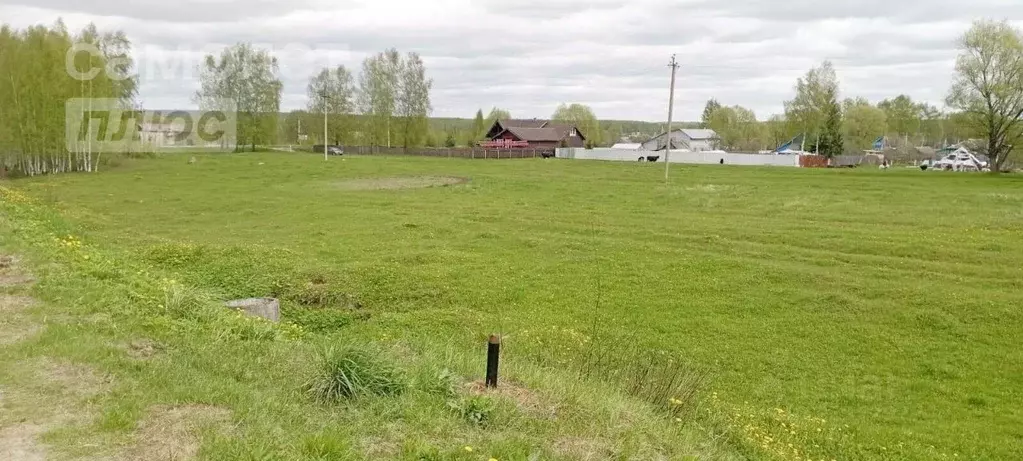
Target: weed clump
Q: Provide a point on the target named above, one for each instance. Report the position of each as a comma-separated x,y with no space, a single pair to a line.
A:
350,372
478,410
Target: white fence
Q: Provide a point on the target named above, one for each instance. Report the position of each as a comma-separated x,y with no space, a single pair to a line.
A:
703,158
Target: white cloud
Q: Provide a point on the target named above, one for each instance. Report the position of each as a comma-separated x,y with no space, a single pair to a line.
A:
529,56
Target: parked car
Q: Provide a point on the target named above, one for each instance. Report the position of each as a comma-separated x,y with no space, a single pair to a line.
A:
331,150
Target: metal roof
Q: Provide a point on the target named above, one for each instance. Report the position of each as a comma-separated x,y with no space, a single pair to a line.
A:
699,133
536,134
523,123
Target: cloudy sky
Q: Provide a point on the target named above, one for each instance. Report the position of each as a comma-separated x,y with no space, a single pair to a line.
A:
530,55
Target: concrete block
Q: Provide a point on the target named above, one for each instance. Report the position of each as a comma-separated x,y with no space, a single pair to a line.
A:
268,308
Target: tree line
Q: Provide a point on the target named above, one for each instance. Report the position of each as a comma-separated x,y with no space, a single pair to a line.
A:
387,102
37,78
985,102
901,120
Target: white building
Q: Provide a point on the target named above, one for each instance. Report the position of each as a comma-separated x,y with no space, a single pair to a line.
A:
160,134
685,139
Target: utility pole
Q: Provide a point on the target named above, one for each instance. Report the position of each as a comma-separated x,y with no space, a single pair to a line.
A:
325,107
671,111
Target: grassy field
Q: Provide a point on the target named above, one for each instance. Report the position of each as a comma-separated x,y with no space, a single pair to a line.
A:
833,314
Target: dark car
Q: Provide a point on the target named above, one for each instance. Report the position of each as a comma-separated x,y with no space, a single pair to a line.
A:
331,150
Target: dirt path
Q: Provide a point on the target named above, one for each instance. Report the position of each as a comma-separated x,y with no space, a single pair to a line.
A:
18,438
52,394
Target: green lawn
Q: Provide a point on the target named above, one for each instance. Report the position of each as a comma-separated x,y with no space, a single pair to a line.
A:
877,314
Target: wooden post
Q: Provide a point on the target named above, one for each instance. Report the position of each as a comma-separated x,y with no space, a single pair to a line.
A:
493,357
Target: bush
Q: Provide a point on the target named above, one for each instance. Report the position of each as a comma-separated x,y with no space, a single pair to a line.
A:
351,372
478,410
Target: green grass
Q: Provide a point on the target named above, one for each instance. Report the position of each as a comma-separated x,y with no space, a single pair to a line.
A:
352,372
875,314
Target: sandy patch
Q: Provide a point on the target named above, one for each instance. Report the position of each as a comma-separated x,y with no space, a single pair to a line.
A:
399,182
19,442
13,333
11,274
525,399
14,304
143,349
581,448
171,432
73,380
709,188
13,327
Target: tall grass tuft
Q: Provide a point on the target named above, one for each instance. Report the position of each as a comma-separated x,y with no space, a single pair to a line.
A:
350,372
668,383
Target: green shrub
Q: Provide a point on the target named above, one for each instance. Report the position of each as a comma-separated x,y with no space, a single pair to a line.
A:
182,301
478,410
351,372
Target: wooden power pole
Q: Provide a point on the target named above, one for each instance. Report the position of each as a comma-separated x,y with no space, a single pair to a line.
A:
671,110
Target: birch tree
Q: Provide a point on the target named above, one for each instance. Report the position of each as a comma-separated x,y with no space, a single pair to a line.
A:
377,90
413,100
814,92
332,93
37,77
248,76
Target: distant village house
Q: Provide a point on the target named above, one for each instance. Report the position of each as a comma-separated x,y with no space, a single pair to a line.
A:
535,134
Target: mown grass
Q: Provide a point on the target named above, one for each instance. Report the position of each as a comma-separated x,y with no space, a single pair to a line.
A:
834,314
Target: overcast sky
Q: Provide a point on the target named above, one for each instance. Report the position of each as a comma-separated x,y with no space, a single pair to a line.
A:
530,55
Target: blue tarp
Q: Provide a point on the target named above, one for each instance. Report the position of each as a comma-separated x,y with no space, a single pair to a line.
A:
796,141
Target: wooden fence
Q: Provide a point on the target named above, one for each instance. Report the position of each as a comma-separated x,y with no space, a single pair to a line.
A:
454,152
813,161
